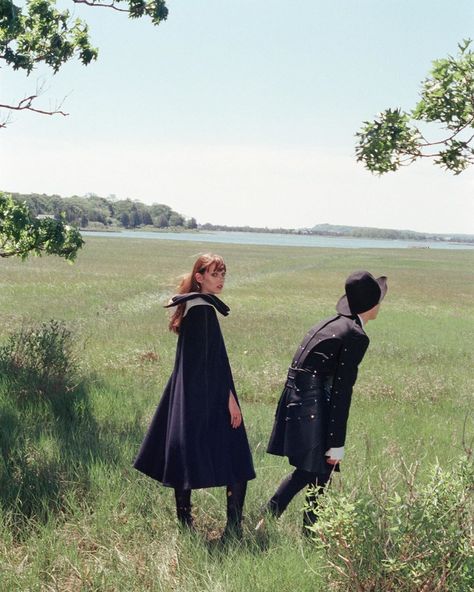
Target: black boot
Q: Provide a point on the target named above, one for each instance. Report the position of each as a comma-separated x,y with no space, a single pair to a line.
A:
183,507
235,505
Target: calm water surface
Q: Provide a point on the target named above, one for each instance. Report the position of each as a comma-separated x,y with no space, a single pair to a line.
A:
288,240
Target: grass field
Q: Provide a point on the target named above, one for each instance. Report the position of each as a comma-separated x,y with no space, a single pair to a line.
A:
76,517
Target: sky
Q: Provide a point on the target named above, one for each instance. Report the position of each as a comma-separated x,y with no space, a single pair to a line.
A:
243,113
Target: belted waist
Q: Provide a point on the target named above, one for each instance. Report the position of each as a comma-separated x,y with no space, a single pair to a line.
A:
305,380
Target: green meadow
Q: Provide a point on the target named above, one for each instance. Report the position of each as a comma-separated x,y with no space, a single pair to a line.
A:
74,515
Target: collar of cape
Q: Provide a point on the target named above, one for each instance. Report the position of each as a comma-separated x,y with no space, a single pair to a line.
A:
357,320
311,338
210,298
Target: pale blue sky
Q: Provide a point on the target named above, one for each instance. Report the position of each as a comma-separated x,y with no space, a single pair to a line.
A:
244,113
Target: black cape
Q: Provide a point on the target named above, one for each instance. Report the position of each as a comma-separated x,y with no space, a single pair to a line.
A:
190,443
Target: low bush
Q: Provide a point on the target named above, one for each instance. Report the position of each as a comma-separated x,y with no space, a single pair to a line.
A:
418,541
38,359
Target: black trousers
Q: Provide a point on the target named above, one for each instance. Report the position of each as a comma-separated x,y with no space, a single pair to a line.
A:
293,484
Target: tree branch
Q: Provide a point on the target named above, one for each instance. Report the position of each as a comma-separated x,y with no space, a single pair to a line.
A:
13,254
93,3
26,105
458,131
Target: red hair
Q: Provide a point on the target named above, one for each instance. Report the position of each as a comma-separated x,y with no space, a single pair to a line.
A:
189,284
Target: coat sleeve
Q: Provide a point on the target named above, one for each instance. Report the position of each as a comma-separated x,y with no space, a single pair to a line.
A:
352,352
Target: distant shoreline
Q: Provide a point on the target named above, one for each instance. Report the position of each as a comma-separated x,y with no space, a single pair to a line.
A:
290,232
278,239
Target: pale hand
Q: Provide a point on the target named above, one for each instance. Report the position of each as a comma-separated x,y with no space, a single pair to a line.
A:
234,410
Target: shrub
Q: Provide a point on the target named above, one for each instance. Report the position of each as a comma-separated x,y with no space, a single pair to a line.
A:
38,359
420,541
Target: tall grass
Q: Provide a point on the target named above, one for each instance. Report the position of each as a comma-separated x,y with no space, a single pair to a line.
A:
75,516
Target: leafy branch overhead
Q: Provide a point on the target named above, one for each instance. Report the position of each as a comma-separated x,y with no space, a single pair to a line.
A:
393,139
21,234
40,33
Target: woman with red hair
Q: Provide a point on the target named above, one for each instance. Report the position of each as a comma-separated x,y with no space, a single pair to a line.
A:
197,437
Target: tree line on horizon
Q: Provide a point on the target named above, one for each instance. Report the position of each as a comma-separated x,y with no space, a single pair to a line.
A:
94,211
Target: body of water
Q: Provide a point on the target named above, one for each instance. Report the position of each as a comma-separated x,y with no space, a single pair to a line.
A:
287,240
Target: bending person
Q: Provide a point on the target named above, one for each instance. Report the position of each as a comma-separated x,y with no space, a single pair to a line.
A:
311,417
197,438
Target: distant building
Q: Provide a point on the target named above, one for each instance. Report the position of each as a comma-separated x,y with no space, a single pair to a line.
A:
44,216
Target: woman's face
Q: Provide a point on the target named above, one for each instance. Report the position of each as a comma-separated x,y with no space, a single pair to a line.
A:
211,281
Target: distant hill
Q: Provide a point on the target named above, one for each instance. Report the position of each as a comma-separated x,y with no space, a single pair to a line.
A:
350,231
387,233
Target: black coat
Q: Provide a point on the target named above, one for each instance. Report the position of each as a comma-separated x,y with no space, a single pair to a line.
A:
190,443
309,421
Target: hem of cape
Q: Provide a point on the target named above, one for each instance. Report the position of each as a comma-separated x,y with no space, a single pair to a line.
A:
165,483
336,469
275,453
204,486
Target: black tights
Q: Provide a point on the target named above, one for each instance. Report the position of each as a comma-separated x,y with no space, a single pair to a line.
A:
235,503
294,483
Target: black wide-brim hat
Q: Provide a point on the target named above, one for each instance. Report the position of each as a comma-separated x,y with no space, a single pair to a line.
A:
363,292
